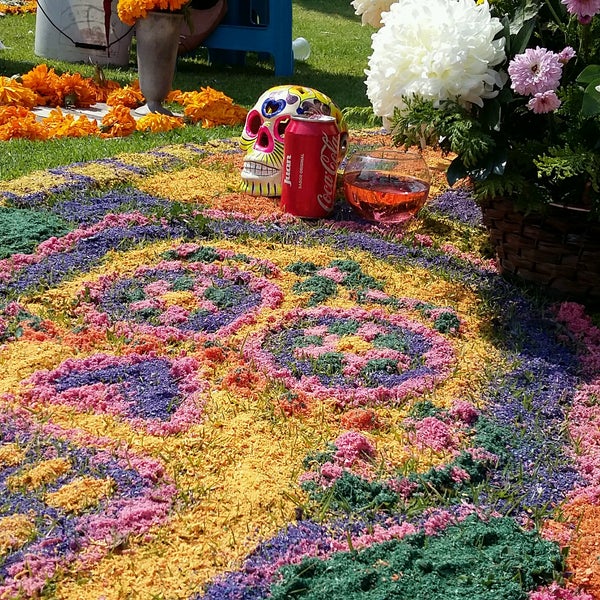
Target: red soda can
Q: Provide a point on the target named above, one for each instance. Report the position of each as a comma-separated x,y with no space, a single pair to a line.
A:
311,148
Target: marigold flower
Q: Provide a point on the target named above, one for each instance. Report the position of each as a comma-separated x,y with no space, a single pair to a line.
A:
105,88
130,11
15,93
128,96
156,122
77,91
61,125
19,122
45,82
118,122
212,108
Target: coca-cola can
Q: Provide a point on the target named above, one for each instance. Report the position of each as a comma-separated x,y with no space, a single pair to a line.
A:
311,148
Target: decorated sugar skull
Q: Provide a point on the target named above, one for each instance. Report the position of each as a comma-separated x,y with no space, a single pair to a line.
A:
264,131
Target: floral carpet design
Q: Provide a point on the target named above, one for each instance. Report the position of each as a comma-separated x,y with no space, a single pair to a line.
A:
204,398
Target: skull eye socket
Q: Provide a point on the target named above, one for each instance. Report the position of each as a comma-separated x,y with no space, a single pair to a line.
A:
253,123
280,127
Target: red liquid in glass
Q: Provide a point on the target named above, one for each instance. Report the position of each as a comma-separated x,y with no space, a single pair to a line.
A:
385,198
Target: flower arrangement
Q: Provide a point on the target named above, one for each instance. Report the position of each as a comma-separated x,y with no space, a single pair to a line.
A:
130,11
42,86
510,87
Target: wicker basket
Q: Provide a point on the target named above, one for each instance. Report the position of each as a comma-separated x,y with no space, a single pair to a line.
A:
559,250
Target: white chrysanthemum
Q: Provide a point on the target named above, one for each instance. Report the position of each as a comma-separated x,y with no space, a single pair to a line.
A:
437,49
370,10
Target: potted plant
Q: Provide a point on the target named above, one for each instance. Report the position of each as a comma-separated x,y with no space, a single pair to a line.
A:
510,88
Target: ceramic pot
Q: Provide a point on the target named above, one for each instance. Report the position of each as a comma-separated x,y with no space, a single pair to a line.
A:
157,40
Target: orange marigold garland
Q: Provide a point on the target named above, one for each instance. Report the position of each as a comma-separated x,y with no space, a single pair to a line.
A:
19,122
42,86
117,122
14,9
45,82
61,125
212,108
12,92
130,11
156,122
77,91
127,96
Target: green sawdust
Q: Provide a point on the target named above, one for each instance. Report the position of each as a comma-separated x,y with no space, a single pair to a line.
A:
22,230
473,560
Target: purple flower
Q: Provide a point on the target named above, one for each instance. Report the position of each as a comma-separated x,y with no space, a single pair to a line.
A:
535,71
583,9
566,54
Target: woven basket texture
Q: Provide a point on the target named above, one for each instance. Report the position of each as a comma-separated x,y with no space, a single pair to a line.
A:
558,250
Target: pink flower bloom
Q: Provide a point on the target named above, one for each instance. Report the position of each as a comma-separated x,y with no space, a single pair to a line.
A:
582,9
544,103
566,55
535,71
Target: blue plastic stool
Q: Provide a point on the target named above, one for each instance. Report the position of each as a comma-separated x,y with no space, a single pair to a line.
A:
263,26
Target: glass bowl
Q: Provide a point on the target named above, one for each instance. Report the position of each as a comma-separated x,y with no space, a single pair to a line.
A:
386,186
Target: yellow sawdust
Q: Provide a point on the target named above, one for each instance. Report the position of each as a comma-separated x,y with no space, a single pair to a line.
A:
21,359
15,530
80,494
104,174
235,478
42,473
36,182
10,455
193,184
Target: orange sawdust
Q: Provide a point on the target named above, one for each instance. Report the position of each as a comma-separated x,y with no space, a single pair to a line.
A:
254,206
583,559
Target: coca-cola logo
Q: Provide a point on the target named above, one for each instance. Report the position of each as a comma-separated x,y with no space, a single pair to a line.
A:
329,162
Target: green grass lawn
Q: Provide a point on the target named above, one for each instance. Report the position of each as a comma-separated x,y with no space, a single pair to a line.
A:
340,48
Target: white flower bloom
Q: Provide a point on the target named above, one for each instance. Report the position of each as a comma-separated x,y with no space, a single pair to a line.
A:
370,10
437,49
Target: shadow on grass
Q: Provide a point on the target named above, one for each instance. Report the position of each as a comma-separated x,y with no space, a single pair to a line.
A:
341,8
245,83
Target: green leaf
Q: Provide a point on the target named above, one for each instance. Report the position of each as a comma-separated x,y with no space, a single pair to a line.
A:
591,100
456,171
590,74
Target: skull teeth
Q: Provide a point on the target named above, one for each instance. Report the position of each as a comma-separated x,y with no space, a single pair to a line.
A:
257,169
